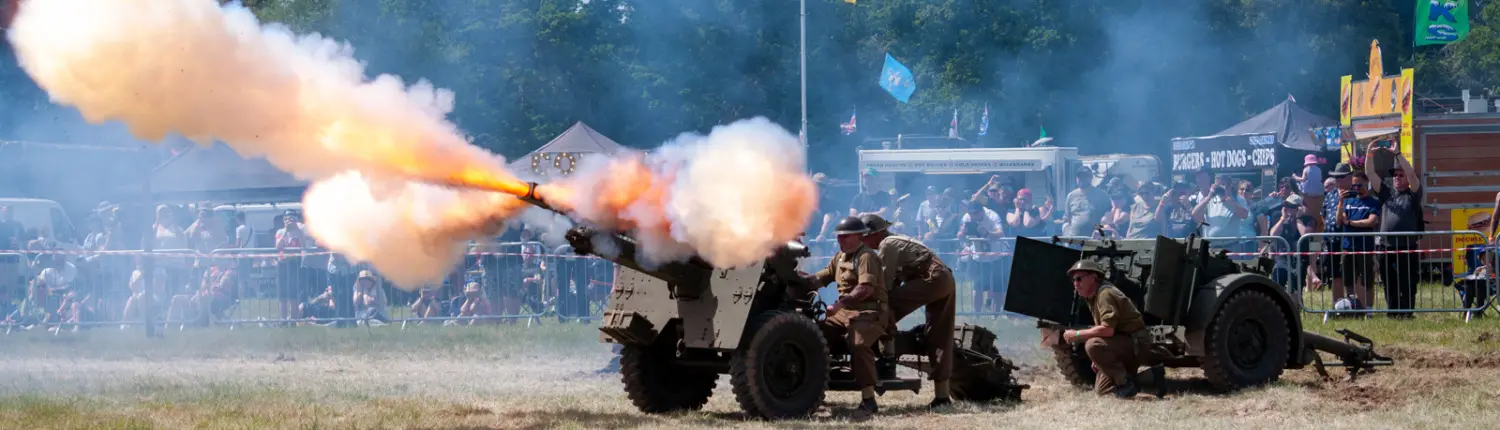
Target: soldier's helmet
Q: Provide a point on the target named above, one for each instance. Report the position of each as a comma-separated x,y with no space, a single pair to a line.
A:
875,222
1086,266
851,225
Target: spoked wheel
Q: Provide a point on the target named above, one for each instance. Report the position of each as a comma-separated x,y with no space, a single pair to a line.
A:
783,370
1248,342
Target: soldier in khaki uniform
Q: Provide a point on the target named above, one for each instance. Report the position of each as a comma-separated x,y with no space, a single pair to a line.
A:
915,278
1118,343
862,312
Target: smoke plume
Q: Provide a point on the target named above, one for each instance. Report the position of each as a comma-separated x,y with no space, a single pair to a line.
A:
211,72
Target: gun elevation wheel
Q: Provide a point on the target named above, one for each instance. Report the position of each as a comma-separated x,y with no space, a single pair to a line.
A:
782,371
1248,342
657,386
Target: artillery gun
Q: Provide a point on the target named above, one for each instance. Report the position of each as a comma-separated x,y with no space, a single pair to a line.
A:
682,324
1203,308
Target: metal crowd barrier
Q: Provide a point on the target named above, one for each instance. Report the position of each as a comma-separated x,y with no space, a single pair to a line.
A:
265,287
1391,273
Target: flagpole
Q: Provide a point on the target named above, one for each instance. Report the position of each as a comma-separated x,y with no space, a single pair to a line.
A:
802,46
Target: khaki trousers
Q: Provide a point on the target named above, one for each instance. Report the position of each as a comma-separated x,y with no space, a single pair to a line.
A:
936,293
860,329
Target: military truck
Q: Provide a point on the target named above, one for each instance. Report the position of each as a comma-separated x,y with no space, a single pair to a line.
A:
1225,316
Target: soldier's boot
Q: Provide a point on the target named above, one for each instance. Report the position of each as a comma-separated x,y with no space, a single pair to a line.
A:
1127,390
868,407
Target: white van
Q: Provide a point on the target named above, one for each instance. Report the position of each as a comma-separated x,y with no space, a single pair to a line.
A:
46,216
263,218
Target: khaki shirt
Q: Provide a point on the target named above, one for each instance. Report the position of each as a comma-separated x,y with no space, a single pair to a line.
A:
849,270
1111,308
904,258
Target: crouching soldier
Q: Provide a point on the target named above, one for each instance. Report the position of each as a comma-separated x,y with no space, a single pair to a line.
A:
1118,343
861,313
916,278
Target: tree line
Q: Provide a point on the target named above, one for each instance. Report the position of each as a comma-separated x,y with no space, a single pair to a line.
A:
1094,73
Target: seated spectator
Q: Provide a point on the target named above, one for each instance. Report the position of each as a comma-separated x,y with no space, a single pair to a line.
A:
475,305
427,305
320,307
369,300
210,300
139,296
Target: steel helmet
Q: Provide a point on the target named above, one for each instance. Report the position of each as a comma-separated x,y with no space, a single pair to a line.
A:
851,225
875,223
1086,266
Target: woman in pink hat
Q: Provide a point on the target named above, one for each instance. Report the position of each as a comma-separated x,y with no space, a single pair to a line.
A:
1310,183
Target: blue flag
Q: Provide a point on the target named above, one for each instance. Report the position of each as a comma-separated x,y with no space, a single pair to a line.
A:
984,122
897,79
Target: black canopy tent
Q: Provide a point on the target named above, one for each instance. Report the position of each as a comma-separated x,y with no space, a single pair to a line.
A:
1268,145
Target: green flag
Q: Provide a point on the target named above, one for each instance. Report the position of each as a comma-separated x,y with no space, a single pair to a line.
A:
1044,132
1440,22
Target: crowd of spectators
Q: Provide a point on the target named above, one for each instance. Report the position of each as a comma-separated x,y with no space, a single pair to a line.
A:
516,275
294,282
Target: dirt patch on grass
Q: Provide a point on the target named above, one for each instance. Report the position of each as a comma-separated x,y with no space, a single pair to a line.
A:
1425,358
1363,396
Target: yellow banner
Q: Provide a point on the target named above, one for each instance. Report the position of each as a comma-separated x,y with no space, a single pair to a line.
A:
1467,219
1345,94
1407,76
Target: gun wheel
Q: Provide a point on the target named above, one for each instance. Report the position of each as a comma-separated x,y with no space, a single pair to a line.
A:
985,377
1248,342
782,371
1075,365
656,386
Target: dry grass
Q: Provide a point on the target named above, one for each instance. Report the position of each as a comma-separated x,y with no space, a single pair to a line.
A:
455,378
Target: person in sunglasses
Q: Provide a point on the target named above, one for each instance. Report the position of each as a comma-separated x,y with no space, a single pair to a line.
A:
1118,343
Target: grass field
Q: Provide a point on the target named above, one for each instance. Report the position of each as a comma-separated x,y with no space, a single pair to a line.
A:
1447,375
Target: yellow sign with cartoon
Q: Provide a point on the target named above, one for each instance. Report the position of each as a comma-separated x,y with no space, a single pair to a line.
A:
1467,219
1378,95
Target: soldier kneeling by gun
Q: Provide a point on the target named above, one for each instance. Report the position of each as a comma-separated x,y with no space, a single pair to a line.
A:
1119,344
861,314
916,278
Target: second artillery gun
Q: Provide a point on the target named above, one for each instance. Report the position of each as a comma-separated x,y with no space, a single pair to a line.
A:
1203,308
682,324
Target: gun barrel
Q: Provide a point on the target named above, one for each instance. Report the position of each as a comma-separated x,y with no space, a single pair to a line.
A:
693,272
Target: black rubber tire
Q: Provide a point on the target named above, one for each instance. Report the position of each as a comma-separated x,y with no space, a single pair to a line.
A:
1247,342
786,342
976,380
1075,365
655,386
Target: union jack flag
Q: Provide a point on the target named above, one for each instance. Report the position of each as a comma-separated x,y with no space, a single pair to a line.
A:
849,127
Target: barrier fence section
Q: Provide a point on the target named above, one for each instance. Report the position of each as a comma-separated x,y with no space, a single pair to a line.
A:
266,287
526,281
1394,274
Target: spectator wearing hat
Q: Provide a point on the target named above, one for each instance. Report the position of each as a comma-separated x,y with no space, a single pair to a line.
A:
1116,221
927,218
1291,224
291,281
1085,205
1310,179
1328,269
1400,212
370,301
